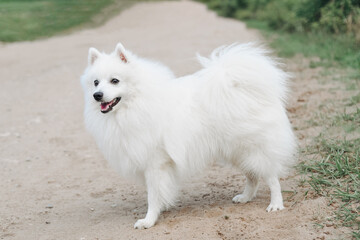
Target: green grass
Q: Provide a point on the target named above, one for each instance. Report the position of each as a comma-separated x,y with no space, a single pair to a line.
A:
24,20
337,176
354,100
332,50
334,169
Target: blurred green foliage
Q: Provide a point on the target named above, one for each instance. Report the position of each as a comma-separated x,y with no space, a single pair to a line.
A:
328,29
30,19
334,16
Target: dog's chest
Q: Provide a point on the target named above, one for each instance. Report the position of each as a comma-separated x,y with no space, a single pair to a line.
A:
127,144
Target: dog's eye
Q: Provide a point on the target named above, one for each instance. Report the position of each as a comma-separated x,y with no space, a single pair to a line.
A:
96,82
114,81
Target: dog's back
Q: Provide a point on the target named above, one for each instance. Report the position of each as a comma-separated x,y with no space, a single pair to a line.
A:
236,112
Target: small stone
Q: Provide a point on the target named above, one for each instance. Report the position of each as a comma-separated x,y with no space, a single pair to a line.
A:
47,222
49,206
92,209
114,205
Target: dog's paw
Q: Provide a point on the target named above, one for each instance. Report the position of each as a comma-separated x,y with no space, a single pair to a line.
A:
143,224
274,207
241,198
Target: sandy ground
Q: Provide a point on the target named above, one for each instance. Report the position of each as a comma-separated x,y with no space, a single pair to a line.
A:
54,183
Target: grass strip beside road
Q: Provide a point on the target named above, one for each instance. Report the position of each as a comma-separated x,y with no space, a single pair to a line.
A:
26,20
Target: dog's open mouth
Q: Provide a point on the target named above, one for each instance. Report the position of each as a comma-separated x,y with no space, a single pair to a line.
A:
108,106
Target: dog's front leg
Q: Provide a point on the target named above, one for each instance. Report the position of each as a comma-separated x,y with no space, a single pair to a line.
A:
162,188
154,208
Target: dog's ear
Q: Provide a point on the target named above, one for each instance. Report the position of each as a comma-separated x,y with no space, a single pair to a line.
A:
93,56
121,52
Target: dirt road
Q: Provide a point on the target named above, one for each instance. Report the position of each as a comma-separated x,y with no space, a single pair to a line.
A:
54,183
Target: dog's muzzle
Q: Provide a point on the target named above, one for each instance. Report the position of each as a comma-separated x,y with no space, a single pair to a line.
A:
108,106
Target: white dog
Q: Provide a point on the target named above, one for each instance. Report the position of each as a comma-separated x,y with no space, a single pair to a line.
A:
160,129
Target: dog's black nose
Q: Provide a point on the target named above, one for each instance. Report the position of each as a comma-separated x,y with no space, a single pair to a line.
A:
98,96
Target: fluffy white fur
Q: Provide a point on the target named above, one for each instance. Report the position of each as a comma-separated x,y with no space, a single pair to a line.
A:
165,129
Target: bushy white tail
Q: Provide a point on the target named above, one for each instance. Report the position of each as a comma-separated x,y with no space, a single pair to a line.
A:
249,66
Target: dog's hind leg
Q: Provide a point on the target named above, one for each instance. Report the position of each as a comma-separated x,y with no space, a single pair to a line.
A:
252,183
276,197
162,190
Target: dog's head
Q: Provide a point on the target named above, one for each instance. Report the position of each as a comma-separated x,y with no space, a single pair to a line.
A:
104,81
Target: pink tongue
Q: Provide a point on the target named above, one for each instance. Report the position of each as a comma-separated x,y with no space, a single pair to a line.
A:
104,106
